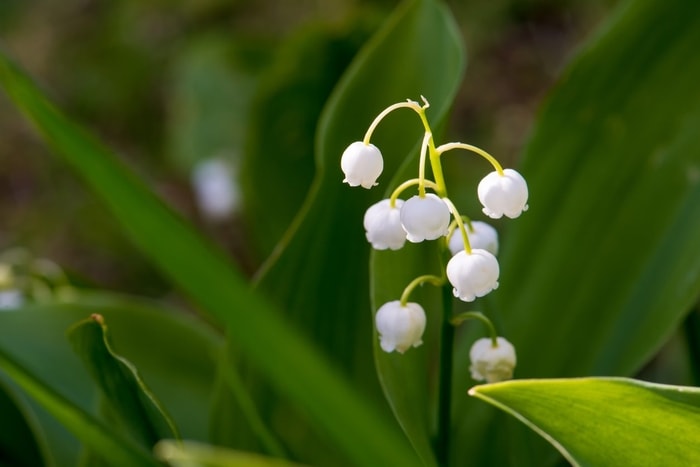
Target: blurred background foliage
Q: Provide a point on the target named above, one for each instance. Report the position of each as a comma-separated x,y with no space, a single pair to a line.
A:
169,84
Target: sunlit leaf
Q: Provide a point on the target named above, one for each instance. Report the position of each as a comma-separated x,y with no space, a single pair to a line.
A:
606,421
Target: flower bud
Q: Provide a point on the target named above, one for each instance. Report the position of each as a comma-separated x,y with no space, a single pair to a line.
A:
473,275
383,225
362,164
425,218
400,327
503,194
491,363
482,237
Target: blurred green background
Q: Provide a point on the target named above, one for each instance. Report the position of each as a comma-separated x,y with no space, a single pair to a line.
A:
170,83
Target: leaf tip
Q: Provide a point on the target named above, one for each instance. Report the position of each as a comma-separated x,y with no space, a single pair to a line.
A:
98,318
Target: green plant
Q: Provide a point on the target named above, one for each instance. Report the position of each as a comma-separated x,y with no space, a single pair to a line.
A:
595,277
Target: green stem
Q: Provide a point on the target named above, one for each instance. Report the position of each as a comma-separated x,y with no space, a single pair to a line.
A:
691,328
421,164
474,149
408,183
444,422
434,157
435,280
436,167
408,104
460,224
460,318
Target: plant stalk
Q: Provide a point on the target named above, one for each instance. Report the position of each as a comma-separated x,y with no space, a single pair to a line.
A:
691,328
447,335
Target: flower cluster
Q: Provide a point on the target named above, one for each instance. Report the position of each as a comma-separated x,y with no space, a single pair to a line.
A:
472,270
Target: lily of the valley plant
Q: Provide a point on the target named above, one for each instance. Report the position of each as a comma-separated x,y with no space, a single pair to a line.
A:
473,269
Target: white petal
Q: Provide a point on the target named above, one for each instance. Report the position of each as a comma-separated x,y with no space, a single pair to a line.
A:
503,194
473,275
425,218
383,225
400,327
491,363
362,164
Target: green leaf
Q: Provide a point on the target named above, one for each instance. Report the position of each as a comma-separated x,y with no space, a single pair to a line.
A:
116,450
36,335
202,272
626,193
411,394
418,52
606,421
189,454
20,444
278,164
600,270
132,403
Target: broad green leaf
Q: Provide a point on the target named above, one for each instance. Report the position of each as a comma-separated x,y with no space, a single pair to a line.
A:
202,272
116,450
404,377
278,163
20,444
191,454
606,421
603,266
181,372
129,399
418,52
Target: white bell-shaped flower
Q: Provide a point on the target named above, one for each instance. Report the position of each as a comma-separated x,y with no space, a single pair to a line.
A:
11,299
473,275
362,164
216,190
503,194
482,237
492,364
400,327
425,218
383,225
